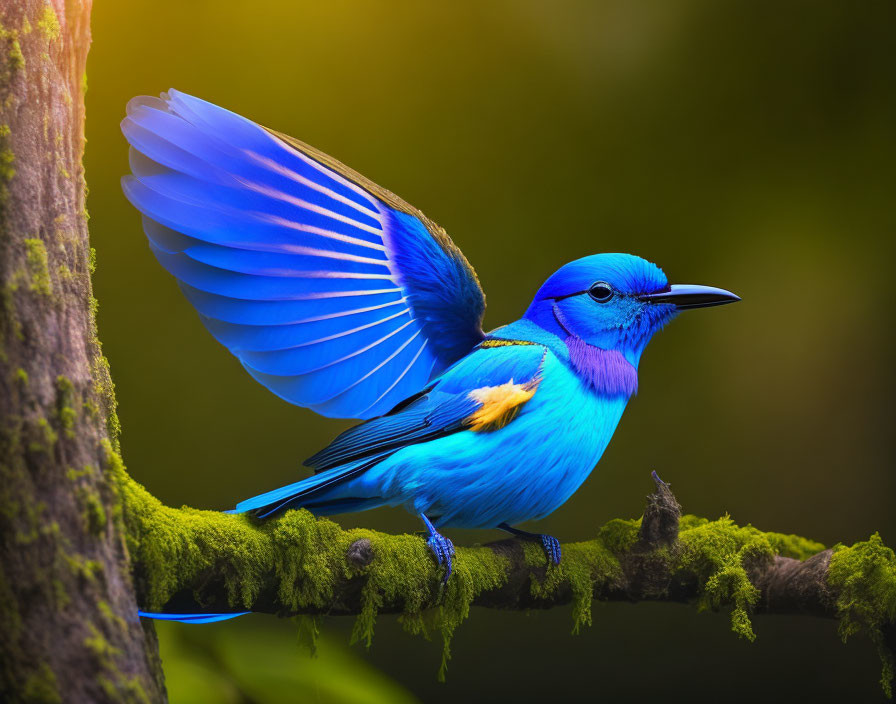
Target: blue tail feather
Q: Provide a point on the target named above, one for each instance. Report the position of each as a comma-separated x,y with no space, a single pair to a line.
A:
315,493
191,618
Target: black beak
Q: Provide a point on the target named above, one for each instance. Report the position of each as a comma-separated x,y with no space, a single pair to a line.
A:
684,296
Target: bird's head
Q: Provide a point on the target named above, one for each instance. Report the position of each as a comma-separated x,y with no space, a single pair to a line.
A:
615,302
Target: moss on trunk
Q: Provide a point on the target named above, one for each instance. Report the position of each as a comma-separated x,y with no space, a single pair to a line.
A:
66,599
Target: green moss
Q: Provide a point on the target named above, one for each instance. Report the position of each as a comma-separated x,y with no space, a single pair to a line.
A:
404,572
38,267
308,632
180,545
91,408
111,616
173,547
103,387
98,646
75,474
123,689
10,616
16,58
720,553
44,438
21,377
86,569
116,685
61,599
93,513
584,567
620,534
305,557
7,168
793,545
48,23
41,686
29,519
8,312
65,405
864,578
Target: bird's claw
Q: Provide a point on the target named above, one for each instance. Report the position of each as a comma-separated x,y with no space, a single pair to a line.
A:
551,548
550,544
443,549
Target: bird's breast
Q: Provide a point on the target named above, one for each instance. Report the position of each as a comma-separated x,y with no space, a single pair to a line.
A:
522,471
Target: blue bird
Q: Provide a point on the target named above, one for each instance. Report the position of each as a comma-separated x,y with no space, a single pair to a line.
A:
340,297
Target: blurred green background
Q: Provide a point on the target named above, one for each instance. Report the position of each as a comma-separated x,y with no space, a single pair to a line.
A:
745,144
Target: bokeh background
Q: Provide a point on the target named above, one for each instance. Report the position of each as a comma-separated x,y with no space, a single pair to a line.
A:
744,144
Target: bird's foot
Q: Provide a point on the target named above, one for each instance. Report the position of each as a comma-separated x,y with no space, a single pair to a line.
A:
551,547
550,544
441,547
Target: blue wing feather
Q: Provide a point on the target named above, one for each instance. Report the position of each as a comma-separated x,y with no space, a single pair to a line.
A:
265,149
255,312
266,338
197,149
442,408
271,288
226,223
331,291
350,353
411,368
299,202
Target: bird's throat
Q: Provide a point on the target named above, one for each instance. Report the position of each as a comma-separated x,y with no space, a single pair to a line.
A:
608,372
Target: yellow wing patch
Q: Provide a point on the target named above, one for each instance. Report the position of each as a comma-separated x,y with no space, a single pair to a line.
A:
498,342
500,404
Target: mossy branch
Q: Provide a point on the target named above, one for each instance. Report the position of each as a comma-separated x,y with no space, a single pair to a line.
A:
186,559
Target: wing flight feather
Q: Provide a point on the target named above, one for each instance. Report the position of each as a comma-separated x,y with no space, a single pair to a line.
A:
331,291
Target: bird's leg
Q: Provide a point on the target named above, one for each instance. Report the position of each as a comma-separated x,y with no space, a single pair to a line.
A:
550,544
441,547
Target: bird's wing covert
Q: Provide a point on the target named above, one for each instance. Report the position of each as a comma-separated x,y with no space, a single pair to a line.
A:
332,292
483,392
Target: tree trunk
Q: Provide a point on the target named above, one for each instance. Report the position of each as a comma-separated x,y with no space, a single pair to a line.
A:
67,606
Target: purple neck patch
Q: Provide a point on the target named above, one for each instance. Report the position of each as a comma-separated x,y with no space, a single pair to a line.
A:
606,371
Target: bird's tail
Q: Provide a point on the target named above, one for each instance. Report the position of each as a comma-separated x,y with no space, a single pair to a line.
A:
191,618
323,494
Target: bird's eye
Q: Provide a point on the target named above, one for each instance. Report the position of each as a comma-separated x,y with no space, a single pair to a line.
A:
601,291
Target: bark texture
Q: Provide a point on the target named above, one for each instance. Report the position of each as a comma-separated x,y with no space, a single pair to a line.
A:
67,607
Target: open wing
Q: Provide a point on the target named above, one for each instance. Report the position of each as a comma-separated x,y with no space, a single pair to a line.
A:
332,292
